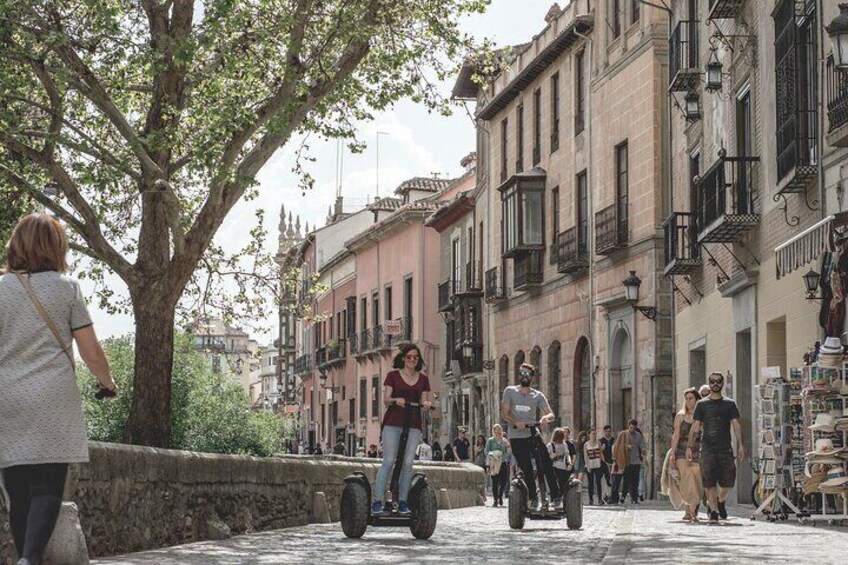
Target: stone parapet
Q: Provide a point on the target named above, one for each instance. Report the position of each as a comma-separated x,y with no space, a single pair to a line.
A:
133,498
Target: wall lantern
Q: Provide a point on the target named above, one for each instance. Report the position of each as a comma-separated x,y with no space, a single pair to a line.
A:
713,73
811,283
467,350
692,107
838,32
631,293
322,380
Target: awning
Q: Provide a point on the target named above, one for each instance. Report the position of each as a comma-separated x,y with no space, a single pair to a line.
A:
808,245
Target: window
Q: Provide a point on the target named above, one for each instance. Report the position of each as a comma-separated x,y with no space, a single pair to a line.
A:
634,11
523,218
504,135
615,20
375,396
744,148
375,310
554,112
621,188
694,171
537,126
407,297
363,323
351,315
519,139
554,225
456,266
582,213
579,92
387,298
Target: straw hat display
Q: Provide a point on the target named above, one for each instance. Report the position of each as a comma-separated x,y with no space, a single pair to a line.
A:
830,353
836,479
825,422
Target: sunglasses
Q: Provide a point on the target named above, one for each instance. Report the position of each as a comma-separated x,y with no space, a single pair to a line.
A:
526,373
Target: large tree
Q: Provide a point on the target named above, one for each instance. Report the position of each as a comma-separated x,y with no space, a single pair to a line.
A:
152,118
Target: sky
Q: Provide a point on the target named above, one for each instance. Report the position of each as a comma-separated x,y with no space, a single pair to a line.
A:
412,143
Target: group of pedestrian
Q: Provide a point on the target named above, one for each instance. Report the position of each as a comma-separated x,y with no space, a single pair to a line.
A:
700,466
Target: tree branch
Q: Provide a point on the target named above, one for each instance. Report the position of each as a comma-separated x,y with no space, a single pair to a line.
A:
37,195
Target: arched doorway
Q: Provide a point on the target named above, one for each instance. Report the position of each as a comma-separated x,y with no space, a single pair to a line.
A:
621,379
554,372
582,385
519,359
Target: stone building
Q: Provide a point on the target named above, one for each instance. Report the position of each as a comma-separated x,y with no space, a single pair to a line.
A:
229,350
758,123
570,195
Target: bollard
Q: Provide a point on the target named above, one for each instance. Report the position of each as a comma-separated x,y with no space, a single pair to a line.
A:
67,544
320,509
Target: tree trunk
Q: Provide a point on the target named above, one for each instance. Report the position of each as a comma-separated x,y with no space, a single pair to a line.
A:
149,422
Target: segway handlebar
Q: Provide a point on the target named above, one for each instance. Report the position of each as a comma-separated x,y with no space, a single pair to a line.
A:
414,404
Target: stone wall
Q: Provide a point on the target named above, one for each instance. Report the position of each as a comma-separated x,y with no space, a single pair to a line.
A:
136,498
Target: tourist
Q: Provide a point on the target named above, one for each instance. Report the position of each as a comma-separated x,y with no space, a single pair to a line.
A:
372,451
606,442
561,458
437,451
593,457
636,453
713,418
424,452
687,464
499,470
42,311
620,457
339,448
580,461
406,383
461,447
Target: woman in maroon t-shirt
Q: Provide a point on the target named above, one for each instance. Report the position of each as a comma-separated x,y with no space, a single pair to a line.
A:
404,384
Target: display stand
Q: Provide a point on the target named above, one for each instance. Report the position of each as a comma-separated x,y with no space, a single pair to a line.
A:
775,456
822,399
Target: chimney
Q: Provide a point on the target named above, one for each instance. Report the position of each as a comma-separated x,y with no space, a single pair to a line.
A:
553,12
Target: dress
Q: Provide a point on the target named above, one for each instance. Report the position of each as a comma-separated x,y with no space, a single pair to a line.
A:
42,420
690,484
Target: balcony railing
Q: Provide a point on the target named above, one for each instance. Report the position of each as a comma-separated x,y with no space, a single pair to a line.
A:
391,340
445,293
529,270
321,356
473,283
611,232
571,252
727,200
682,252
683,61
495,291
303,364
365,342
725,9
377,338
837,97
331,354
354,343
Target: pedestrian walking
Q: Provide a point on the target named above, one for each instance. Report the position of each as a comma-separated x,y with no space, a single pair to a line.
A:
447,454
713,418
424,452
372,451
572,450
498,458
461,447
593,456
620,456
561,458
480,451
686,462
519,407
339,448
319,450
579,460
635,455
406,383
606,442
42,312
437,451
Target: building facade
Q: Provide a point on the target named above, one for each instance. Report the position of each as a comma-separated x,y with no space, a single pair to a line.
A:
757,119
570,196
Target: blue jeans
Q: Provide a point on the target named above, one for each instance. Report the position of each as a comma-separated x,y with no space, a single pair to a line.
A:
391,442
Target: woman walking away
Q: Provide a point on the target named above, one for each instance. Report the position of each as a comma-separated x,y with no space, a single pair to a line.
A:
404,384
42,312
561,458
580,461
620,457
497,459
480,457
689,469
593,456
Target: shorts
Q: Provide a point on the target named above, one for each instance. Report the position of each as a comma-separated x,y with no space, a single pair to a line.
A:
718,469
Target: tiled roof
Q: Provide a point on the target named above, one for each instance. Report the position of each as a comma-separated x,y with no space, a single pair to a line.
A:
418,208
385,204
427,184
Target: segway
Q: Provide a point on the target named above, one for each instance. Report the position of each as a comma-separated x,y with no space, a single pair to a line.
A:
357,498
572,498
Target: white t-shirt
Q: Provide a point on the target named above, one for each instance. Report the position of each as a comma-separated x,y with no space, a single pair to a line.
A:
560,456
424,452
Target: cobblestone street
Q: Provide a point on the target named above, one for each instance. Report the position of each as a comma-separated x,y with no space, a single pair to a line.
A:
649,533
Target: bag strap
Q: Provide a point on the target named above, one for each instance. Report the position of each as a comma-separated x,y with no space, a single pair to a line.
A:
67,349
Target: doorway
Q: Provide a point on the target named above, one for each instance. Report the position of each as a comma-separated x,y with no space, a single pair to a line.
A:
621,380
744,401
698,366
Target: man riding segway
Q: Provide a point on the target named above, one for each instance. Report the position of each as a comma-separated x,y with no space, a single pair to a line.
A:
527,411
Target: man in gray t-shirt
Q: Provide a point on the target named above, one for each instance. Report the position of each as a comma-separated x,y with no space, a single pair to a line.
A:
522,406
635,455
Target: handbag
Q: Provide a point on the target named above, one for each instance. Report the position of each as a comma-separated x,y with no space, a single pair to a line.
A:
67,349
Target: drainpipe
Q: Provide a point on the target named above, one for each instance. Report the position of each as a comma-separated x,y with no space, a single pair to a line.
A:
821,109
591,232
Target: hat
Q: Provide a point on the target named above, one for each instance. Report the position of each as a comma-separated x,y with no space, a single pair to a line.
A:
835,477
830,360
824,423
824,447
831,345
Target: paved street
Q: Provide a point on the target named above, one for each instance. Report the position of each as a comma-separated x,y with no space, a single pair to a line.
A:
645,534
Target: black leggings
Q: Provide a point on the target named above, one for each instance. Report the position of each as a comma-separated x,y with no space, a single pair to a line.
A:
522,451
35,496
595,478
499,481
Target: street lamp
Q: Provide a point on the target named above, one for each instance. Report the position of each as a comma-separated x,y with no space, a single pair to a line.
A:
322,380
838,32
467,350
811,283
692,107
631,293
713,73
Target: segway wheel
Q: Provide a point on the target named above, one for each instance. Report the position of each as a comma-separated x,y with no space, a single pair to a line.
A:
517,507
354,510
424,514
574,508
